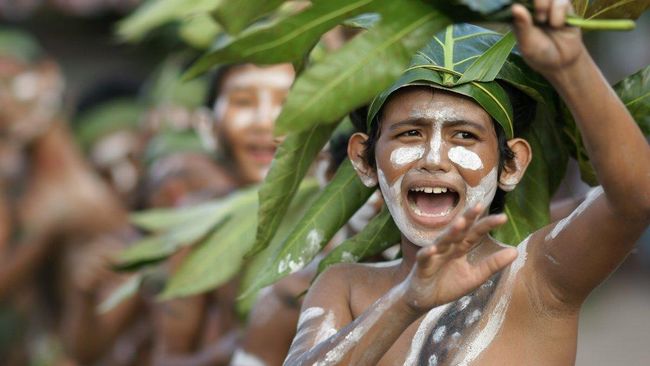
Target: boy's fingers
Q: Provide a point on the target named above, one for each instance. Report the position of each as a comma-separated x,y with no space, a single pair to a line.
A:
496,262
541,10
484,226
453,234
558,12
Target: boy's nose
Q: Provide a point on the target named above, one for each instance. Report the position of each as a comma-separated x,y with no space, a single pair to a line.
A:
436,153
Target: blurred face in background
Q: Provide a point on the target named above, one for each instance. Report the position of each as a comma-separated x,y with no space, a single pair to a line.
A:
30,97
249,101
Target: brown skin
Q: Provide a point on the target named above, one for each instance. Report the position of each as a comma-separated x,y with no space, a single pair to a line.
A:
201,330
542,317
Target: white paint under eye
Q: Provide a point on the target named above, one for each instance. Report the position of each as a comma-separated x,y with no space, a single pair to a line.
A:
406,155
484,192
484,338
465,158
25,86
559,227
241,358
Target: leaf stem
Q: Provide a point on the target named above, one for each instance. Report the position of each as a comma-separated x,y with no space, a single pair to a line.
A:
601,24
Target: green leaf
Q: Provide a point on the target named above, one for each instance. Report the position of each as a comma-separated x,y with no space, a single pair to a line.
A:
234,16
290,164
353,75
487,66
334,206
363,21
617,9
220,256
155,220
442,62
154,14
634,91
215,260
184,232
125,291
580,7
199,31
379,235
287,40
527,206
259,261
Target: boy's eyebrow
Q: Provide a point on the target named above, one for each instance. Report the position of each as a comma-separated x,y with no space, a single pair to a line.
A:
423,122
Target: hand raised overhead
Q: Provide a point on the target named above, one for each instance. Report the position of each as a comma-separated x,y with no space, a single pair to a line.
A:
442,272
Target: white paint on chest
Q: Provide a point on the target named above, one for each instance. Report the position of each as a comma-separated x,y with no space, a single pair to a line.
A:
474,347
241,358
465,158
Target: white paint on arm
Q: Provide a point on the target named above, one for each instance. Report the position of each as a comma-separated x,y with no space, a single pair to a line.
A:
593,194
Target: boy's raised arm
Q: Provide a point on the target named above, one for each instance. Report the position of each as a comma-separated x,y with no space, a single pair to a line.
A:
577,253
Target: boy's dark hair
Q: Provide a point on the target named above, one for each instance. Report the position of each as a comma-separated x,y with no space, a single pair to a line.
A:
523,111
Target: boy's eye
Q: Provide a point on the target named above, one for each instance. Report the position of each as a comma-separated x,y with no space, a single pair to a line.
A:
465,135
242,100
410,133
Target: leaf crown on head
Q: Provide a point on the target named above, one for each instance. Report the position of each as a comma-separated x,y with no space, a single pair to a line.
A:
467,59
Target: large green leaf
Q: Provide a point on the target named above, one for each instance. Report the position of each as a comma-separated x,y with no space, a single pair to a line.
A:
156,220
634,91
287,40
184,232
379,235
487,66
334,206
443,62
619,9
234,16
154,14
199,31
220,256
290,164
527,206
353,75
126,290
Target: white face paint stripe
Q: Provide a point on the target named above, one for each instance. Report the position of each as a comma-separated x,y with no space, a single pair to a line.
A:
436,145
483,192
467,159
406,155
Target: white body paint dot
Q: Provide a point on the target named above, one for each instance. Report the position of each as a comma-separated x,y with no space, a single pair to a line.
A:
465,158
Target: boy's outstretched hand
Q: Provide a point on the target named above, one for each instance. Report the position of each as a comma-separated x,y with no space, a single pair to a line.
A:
442,272
546,43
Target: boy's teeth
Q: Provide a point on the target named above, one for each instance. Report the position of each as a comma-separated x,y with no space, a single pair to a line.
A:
436,190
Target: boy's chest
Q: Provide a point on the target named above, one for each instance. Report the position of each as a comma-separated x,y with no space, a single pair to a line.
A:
490,326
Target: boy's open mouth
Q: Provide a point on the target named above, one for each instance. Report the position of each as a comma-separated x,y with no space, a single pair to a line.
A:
432,201
262,155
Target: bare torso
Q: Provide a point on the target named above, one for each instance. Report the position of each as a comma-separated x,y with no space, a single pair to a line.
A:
499,323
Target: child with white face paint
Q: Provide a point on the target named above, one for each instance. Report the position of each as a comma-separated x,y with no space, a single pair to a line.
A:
458,296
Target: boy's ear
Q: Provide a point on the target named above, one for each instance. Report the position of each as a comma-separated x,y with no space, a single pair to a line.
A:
356,148
515,168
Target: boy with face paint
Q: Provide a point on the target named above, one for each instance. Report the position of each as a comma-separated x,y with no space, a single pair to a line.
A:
458,297
201,330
